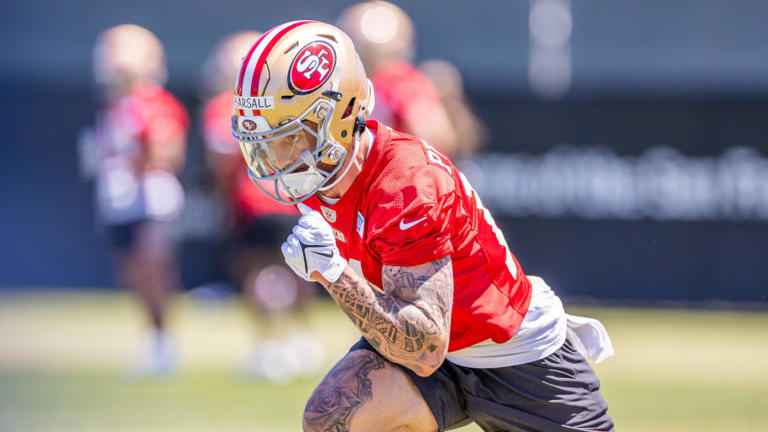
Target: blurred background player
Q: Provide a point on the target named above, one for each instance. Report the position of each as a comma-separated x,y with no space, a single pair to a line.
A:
469,130
133,154
383,35
255,228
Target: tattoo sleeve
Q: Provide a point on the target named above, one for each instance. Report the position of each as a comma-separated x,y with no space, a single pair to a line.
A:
409,323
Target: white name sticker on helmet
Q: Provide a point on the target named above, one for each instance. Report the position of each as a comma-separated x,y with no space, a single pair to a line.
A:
254,102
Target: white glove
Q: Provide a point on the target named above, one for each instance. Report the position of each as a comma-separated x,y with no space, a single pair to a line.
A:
312,247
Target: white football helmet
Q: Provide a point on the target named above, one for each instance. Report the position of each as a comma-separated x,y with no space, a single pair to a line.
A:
381,32
301,99
126,55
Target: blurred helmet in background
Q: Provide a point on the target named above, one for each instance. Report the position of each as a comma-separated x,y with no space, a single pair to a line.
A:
381,31
222,64
301,100
127,55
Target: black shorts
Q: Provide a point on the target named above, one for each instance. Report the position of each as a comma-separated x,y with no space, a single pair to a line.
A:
123,237
557,393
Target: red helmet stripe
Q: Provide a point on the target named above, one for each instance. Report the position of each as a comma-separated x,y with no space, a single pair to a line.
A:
266,51
244,66
261,48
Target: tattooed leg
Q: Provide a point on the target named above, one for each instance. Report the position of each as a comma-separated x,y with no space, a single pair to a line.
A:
364,392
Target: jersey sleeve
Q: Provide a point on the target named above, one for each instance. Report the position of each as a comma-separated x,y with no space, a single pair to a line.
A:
412,225
402,91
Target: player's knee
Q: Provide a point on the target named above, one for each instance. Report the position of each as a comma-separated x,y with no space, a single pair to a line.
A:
331,407
344,395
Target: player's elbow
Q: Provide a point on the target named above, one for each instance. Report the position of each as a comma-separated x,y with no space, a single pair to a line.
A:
433,356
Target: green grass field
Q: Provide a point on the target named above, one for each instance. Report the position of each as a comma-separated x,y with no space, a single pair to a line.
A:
64,359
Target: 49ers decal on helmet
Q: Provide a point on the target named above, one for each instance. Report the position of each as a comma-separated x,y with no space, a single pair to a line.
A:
311,67
249,125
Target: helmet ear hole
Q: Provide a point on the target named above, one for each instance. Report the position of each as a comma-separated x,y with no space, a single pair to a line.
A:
348,110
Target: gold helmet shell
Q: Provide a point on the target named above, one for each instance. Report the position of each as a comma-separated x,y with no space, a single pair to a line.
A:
301,80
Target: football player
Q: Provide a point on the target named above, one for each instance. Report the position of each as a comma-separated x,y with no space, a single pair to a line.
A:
255,228
470,130
453,330
383,35
133,153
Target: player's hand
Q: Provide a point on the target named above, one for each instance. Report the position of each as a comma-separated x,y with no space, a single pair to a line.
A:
312,247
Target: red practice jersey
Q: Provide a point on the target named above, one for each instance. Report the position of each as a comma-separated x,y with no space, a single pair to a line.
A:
401,89
217,120
410,205
149,113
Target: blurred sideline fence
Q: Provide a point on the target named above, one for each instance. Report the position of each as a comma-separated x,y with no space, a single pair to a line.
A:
628,144
618,198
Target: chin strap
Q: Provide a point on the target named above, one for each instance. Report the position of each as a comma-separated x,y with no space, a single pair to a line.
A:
360,126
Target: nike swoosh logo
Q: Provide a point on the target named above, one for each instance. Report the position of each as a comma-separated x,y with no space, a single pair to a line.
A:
308,248
325,254
404,226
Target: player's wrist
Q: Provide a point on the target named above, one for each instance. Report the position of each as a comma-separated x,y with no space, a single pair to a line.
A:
334,269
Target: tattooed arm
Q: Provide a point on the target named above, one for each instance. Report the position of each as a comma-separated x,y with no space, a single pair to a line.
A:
410,322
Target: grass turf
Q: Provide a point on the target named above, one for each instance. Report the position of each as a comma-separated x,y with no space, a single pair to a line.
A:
64,357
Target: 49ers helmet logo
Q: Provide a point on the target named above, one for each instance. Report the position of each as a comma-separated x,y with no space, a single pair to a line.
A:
249,125
311,67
